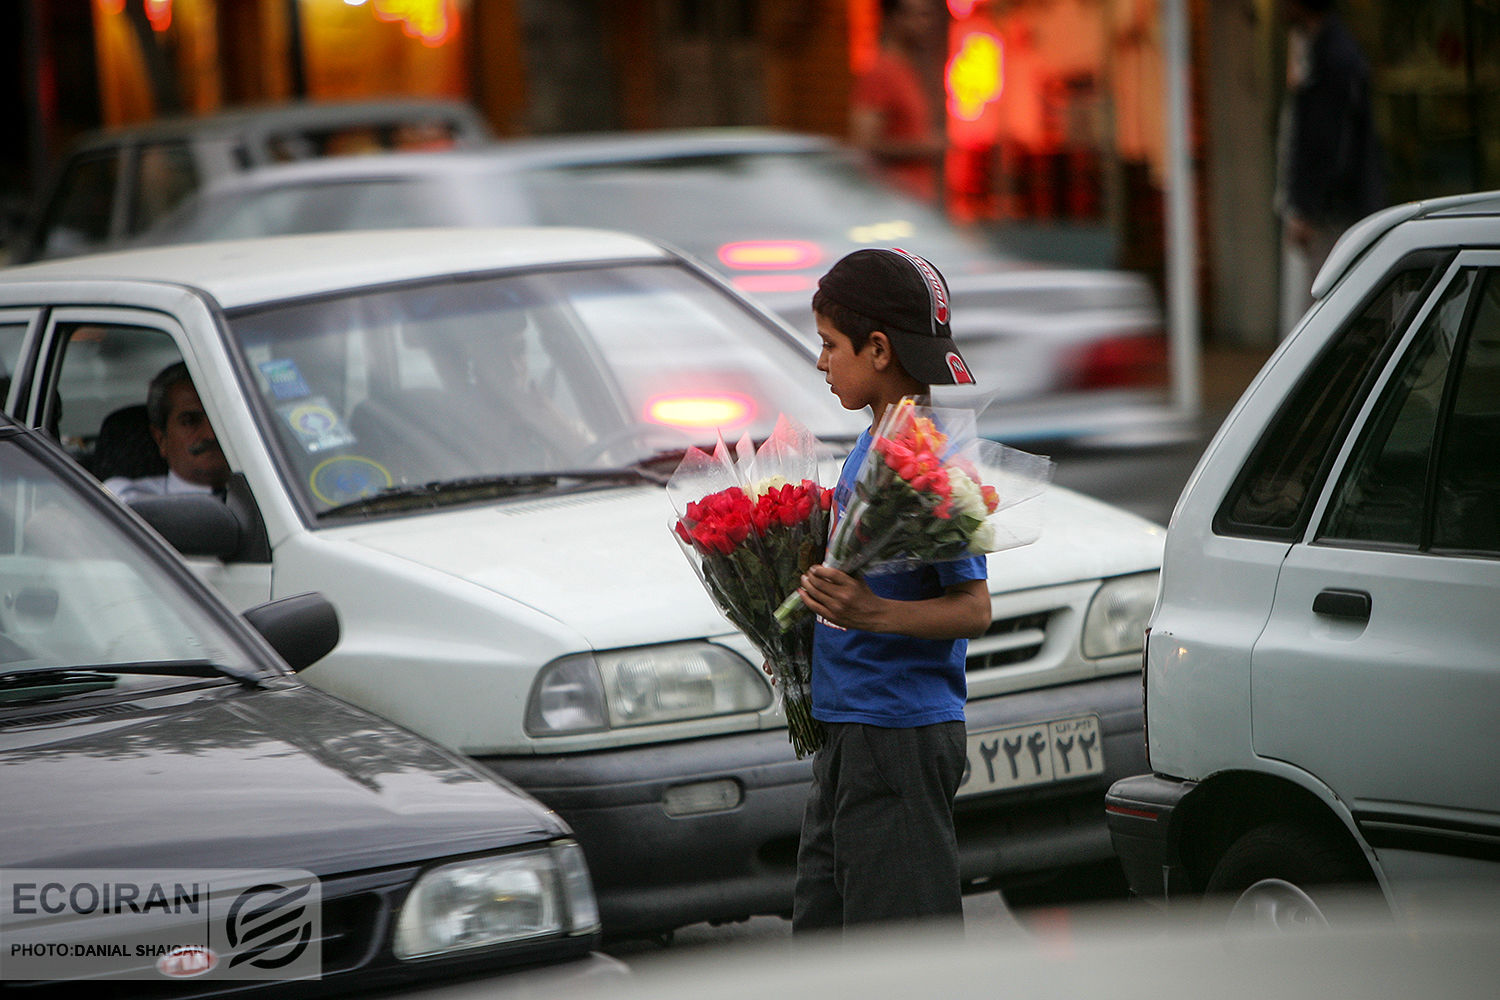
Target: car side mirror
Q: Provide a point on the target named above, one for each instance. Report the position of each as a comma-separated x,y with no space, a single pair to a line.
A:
303,628
195,524
198,524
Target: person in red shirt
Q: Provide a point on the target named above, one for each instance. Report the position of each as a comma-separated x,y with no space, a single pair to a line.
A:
891,114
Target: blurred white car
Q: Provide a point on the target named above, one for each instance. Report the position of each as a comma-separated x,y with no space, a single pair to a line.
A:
1323,667
1060,353
461,438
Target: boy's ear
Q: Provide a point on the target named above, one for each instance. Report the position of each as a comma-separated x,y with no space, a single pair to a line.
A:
881,352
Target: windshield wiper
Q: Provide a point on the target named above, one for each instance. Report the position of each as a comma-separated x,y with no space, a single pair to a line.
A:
14,678
443,492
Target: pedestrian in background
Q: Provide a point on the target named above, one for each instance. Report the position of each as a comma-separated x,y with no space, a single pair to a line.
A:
892,117
1330,172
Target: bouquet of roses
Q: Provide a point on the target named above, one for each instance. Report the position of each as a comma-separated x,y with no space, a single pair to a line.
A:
931,490
751,522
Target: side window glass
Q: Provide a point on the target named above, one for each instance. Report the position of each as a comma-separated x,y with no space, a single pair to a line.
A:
79,215
1382,495
101,395
1467,511
1273,494
165,176
11,336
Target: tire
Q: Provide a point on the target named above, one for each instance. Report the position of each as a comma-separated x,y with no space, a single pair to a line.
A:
1287,876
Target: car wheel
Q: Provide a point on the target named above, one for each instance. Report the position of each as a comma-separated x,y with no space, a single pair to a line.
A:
1280,874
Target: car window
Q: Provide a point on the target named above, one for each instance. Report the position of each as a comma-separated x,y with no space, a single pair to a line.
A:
1467,512
11,335
79,594
80,213
1382,495
105,370
1272,496
165,175
527,375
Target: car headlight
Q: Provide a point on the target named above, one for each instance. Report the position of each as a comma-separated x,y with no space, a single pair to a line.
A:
642,685
498,899
1117,616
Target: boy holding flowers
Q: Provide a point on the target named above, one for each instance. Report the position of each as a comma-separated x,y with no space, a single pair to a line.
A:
878,842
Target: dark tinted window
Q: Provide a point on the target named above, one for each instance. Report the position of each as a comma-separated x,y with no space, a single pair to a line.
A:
1382,496
1273,494
1467,507
79,215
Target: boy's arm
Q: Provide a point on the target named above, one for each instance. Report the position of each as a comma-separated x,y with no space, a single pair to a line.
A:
962,612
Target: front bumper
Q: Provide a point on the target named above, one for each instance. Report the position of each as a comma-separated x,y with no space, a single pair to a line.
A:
1143,819
653,872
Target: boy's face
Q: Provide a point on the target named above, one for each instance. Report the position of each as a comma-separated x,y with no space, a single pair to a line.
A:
851,377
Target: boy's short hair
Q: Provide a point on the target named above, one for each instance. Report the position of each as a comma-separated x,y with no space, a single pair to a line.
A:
906,298
854,325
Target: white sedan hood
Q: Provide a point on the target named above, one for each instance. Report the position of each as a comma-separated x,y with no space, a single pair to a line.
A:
632,584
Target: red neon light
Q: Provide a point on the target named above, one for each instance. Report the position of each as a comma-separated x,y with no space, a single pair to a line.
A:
770,255
701,412
159,13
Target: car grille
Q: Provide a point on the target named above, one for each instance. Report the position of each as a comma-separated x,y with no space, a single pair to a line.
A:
1009,641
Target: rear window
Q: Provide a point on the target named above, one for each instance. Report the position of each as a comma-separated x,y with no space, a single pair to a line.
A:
80,213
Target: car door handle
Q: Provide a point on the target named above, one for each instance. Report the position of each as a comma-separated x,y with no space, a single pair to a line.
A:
1336,603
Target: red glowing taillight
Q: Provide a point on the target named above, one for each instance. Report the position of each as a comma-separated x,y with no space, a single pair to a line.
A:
770,255
1138,361
701,412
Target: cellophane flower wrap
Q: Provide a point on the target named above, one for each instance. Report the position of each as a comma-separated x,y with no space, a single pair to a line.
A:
751,521
930,490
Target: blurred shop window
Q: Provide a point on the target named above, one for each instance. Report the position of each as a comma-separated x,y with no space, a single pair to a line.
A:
167,176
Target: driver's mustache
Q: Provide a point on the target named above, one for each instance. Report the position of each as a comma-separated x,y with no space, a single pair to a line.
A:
207,444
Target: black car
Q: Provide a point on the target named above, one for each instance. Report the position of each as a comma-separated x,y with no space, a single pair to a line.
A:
178,805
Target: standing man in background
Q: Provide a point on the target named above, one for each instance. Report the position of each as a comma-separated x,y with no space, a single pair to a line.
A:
891,115
1329,172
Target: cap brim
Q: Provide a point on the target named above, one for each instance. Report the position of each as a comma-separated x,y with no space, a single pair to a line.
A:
928,359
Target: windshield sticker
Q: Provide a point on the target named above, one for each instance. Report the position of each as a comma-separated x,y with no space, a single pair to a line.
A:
348,477
285,379
317,426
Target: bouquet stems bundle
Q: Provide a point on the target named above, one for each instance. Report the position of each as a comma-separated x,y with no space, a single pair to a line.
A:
751,522
931,490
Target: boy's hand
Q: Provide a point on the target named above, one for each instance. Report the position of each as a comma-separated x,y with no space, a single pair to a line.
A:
846,601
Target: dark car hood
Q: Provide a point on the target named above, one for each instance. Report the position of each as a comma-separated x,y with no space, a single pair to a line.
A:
225,777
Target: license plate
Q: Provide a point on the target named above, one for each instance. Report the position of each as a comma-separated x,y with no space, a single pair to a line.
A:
1035,754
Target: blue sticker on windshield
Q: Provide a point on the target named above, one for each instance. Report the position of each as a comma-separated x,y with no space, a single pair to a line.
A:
317,426
285,380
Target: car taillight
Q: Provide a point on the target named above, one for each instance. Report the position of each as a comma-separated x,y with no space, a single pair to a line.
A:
1138,361
699,412
770,255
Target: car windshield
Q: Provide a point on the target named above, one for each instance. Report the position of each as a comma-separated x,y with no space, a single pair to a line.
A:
399,398
81,605
828,201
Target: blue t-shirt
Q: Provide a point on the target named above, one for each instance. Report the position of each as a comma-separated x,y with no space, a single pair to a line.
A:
883,679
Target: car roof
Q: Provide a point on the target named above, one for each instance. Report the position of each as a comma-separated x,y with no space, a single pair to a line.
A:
262,118
536,153
239,273
1367,232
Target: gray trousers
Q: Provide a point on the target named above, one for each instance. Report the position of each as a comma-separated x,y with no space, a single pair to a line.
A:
877,836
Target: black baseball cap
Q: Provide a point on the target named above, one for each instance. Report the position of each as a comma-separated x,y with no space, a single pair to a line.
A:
908,297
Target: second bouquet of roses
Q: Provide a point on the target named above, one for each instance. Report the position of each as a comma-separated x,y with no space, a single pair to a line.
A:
930,490
751,521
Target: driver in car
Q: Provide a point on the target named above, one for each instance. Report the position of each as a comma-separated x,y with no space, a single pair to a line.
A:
180,428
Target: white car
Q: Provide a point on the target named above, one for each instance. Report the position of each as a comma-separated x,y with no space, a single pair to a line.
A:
1073,354
1323,666
461,438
